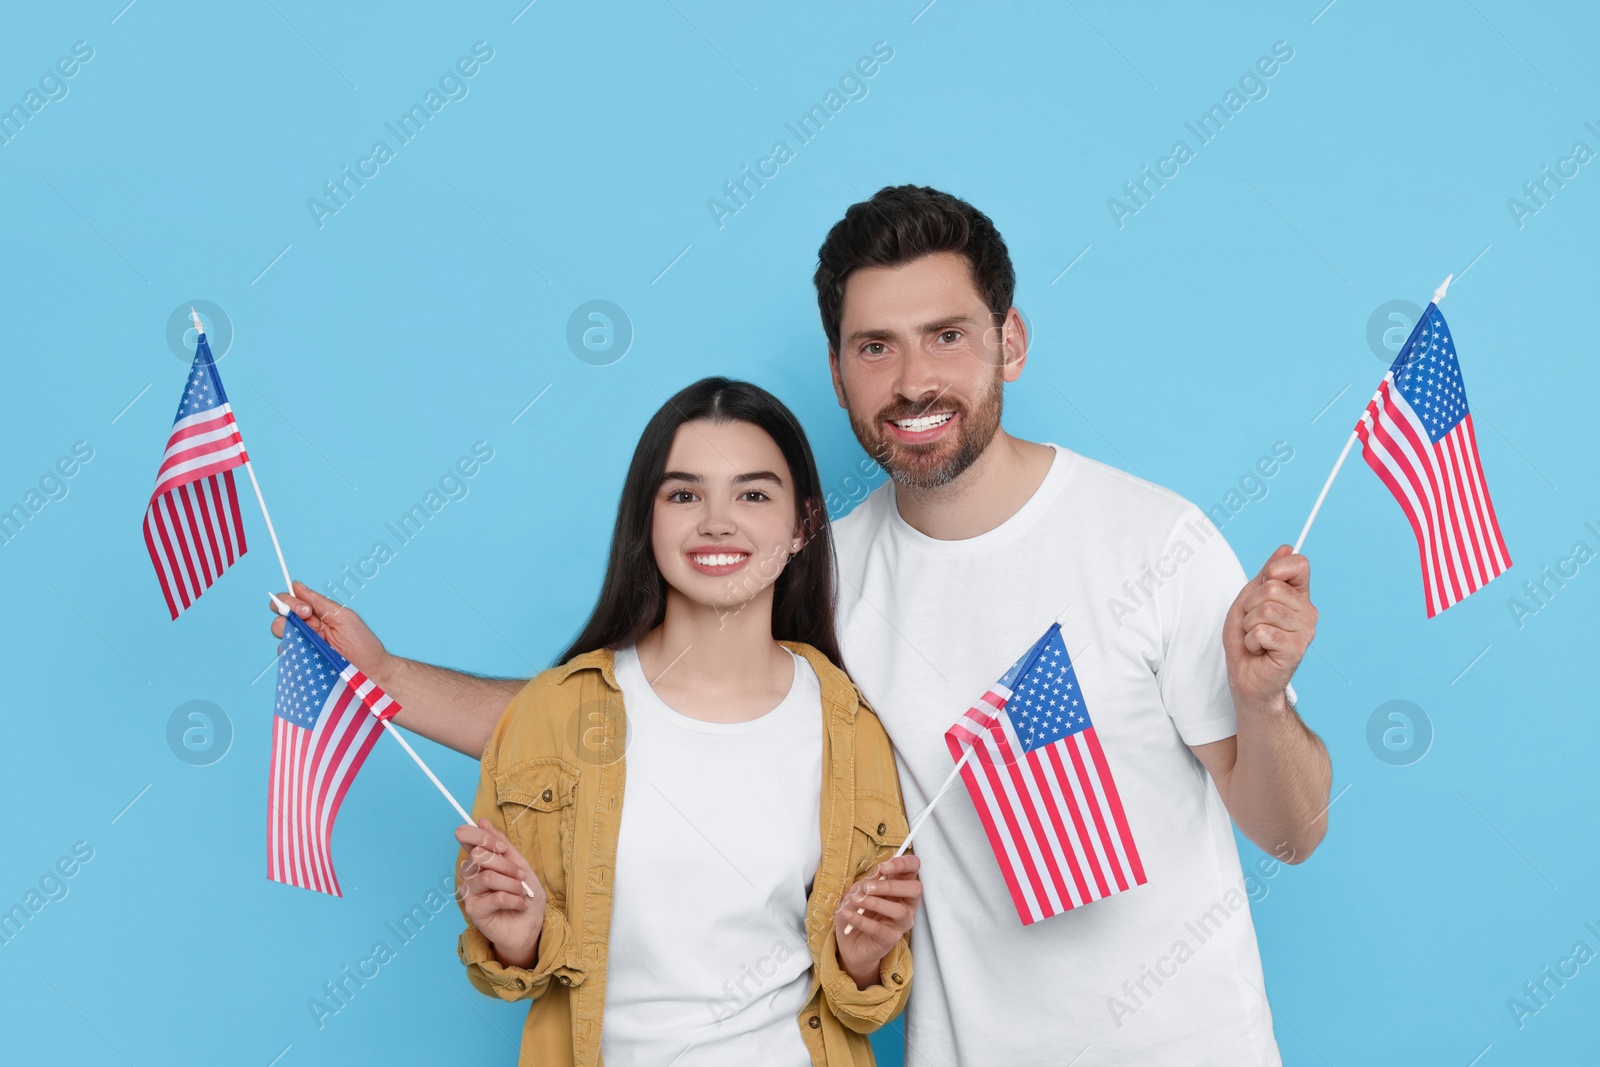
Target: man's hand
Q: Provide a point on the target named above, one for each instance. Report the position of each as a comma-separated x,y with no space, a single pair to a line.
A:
878,910
337,625
1268,629
492,880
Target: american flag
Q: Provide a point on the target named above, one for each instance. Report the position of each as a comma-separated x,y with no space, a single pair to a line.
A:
326,721
192,526
1043,788
1417,435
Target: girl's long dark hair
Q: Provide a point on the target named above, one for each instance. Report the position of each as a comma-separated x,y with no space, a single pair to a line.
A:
633,599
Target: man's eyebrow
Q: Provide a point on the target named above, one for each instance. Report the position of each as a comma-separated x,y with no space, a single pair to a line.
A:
880,333
945,323
875,333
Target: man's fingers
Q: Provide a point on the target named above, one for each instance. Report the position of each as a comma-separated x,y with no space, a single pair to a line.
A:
320,603
294,603
1287,566
1266,638
1272,613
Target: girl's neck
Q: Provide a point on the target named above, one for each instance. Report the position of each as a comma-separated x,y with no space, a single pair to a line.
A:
715,664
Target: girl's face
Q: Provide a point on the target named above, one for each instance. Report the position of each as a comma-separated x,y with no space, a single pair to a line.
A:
726,514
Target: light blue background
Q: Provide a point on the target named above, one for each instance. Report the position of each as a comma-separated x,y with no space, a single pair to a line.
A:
373,352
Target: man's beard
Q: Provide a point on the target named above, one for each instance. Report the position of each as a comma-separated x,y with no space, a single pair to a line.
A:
933,465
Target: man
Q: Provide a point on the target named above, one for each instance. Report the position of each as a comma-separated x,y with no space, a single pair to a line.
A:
948,573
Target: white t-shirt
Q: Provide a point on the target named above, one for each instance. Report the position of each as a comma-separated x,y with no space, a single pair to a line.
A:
1166,973
719,842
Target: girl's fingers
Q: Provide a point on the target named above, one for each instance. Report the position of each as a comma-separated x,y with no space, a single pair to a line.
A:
490,881
484,905
481,860
868,927
887,887
890,911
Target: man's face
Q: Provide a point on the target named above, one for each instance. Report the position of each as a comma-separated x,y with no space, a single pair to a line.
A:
920,366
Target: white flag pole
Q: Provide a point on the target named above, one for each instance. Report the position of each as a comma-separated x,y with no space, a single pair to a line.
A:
394,732
1438,295
288,583
950,780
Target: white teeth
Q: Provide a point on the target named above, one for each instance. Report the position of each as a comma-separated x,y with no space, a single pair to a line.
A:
924,422
721,559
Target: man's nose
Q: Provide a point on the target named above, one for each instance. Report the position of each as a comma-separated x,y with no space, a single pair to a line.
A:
918,380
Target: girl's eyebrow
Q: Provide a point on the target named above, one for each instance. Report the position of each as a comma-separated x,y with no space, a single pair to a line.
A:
738,479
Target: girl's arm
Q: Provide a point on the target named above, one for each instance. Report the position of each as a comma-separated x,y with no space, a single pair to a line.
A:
514,943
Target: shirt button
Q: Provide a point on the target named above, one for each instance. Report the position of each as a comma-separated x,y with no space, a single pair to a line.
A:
522,983
814,1022
546,796
564,979
882,828
896,979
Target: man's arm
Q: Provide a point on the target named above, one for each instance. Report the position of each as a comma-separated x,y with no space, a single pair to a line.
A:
1274,776
454,708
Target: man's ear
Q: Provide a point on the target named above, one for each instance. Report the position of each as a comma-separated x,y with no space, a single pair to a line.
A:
1014,346
838,378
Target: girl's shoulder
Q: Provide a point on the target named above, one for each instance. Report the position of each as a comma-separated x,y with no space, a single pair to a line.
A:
873,754
548,716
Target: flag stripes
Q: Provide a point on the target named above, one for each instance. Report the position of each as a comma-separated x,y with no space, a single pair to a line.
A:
1418,437
328,717
193,530
1043,789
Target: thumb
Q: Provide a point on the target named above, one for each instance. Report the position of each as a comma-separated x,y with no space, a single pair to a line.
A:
1277,554
319,603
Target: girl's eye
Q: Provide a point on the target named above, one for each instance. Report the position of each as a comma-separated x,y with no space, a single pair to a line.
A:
679,496
757,495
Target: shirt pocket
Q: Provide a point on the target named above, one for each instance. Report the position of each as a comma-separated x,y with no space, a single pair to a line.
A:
880,827
536,800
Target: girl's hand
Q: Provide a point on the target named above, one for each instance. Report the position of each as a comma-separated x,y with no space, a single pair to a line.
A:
492,894
878,911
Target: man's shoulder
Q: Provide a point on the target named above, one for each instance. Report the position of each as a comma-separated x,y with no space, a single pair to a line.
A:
1115,492
854,531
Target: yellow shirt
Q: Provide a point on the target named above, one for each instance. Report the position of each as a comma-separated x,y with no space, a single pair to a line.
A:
552,781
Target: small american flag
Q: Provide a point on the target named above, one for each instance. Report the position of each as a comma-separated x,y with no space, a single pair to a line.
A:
326,721
1417,435
192,526
1043,788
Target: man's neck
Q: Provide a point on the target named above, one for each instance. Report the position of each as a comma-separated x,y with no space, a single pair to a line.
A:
986,494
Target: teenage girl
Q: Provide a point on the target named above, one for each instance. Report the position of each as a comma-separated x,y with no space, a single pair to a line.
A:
684,831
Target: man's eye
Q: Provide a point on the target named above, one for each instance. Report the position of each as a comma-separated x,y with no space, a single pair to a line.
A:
950,337
873,348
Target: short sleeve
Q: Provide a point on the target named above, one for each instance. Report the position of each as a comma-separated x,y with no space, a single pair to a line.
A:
1193,605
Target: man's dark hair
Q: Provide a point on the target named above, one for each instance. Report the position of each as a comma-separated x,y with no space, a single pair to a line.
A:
901,223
